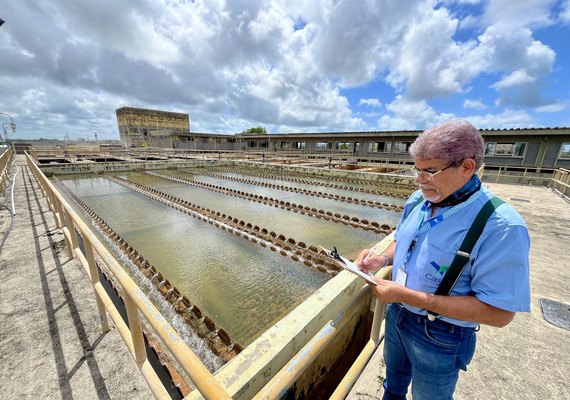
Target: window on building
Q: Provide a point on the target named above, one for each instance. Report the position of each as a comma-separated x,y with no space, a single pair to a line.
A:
402,147
299,145
323,145
251,143
343,146
565,153
379,147
505,149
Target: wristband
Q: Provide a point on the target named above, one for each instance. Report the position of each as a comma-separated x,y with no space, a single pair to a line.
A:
386,258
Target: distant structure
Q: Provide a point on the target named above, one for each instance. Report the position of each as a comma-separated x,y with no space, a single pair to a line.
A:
528,147
154,128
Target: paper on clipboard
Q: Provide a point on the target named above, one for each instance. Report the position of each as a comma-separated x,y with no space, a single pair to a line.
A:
352,267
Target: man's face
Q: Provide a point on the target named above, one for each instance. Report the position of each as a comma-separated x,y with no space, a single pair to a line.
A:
438,179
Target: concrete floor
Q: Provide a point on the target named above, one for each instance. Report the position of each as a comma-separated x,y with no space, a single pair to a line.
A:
529,358
51,346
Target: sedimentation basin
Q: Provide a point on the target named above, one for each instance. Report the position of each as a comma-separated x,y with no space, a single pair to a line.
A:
242,286
192,207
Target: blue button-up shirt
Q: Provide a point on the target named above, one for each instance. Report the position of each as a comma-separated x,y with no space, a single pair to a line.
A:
498,269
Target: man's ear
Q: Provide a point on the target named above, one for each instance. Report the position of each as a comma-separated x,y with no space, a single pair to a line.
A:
468,166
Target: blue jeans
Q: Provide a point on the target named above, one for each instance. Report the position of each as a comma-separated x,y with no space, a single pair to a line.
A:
428,354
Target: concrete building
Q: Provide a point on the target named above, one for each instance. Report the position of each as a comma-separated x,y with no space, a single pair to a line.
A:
529,147
154,128
536,147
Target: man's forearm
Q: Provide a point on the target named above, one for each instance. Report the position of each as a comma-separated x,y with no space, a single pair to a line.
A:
466,308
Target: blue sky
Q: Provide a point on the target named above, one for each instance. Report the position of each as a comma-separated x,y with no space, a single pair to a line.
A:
302,66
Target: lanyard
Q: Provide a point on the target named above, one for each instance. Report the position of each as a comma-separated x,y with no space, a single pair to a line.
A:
424,226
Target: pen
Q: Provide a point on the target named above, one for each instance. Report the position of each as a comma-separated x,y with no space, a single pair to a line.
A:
374,251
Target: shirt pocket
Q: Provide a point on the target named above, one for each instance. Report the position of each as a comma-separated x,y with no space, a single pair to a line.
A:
432,265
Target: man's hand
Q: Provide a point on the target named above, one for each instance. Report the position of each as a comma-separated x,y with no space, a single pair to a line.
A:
375,260
367,261
388,291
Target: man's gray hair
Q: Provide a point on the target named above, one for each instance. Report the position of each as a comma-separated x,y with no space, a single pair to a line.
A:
452,142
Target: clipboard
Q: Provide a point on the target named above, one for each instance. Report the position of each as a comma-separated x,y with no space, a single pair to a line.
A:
350,266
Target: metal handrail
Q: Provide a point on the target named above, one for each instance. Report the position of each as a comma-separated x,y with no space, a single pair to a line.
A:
287,376
5,162
560,182
135,300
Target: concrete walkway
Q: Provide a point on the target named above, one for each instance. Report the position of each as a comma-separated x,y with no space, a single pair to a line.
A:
51,345
529,358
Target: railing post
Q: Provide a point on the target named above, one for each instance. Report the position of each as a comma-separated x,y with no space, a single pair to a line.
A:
90,257
377,321
58,210
136,330
72,235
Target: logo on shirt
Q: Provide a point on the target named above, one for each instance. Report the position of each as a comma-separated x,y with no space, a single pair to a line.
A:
439,268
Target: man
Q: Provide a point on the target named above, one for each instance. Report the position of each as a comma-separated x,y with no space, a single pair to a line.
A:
492,287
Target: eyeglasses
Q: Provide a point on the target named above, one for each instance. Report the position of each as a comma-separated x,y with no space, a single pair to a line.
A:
428,175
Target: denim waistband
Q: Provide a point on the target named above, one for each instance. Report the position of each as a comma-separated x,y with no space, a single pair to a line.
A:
423,319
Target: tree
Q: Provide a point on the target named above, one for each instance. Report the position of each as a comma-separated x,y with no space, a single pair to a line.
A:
259,130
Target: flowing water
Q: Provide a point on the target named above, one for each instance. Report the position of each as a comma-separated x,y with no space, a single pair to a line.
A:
244,287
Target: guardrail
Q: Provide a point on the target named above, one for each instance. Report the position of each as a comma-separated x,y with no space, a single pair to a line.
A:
5,162
82,242
531,176
561,182
287,376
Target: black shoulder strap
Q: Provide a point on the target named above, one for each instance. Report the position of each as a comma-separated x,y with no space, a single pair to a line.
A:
419,201
462,256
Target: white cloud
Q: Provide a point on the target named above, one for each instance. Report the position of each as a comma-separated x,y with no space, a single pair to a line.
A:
287,65
516,78
513,15
565,12
370,102
474,104
552,108
409,114
508,119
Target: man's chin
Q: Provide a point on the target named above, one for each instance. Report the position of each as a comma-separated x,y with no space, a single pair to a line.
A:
431,195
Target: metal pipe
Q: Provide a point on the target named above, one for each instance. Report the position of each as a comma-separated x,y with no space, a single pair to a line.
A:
287,376
136,330
357,367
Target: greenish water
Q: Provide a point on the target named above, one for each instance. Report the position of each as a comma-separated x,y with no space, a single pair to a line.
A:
246,288
344,208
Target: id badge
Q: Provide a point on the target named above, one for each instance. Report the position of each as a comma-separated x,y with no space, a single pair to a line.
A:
401,277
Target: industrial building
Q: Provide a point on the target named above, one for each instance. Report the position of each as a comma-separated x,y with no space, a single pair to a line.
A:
528,147
142,127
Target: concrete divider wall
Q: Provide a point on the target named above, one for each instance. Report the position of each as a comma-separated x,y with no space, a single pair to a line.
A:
78,168
344,174
247,373
116,166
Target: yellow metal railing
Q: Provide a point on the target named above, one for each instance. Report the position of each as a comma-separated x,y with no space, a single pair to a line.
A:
136,302
5,162
561,182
